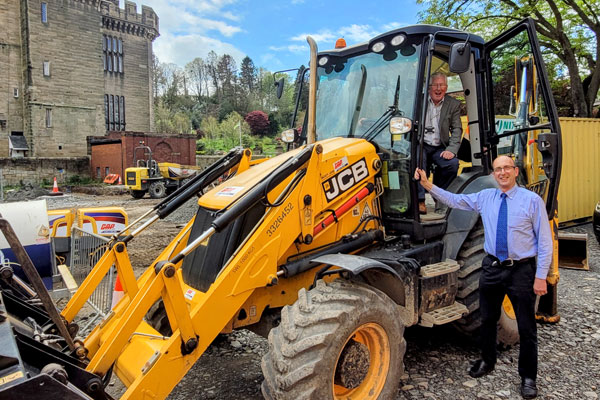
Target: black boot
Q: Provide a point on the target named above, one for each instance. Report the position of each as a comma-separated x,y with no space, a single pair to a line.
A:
480,368
528,388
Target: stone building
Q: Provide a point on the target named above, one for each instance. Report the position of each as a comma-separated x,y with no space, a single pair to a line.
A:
70,69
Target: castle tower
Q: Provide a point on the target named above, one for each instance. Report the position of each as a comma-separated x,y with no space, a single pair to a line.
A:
73,68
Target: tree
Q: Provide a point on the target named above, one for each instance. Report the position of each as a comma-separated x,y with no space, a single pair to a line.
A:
227,74
195,70
247,75
211,68
569,30
258,122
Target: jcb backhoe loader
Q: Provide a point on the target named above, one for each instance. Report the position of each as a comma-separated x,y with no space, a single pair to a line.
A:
321,248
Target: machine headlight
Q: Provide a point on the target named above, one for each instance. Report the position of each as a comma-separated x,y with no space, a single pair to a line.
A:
289,135
398,40
378,47
400,126
323,61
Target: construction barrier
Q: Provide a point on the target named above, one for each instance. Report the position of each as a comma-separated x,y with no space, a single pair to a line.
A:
86,250
112,178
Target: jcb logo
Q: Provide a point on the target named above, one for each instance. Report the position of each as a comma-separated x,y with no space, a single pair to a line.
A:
347,178
107,226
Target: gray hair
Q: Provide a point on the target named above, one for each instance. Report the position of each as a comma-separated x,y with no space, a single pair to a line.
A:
436,74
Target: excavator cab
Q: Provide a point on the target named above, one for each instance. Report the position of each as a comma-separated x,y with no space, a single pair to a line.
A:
378,91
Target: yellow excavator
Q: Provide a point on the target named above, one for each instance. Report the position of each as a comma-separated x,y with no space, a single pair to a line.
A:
321,249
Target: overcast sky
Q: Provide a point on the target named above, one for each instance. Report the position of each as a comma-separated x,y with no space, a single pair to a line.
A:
271,32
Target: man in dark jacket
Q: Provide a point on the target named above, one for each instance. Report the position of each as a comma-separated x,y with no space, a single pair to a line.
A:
443,130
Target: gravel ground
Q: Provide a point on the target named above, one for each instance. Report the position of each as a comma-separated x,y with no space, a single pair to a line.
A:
437,360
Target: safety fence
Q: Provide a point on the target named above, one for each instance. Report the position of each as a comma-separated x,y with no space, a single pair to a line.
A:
86,250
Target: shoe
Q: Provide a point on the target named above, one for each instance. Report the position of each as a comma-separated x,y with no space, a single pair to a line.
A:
422,207
528,388
480,368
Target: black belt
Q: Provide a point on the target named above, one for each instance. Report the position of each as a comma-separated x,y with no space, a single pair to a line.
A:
509,262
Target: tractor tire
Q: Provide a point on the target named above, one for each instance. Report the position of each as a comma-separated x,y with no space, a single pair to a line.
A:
157,190
470,257
138,194
157,318
339,340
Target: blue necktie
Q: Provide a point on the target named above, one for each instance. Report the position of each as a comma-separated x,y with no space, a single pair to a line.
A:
502,231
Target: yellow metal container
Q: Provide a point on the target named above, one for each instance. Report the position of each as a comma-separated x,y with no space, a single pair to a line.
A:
61,222
104,221
579,188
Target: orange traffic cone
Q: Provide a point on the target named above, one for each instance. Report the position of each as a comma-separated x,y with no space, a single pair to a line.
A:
55,187
117,293
120,182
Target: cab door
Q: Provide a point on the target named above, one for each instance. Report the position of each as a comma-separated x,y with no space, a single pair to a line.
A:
522,121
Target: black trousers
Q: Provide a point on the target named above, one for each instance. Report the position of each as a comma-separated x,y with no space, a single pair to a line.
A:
445,170
517,282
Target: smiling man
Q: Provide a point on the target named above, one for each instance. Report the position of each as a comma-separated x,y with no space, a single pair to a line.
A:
518,244
443,130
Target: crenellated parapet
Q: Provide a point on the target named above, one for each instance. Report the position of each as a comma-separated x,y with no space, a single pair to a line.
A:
127,20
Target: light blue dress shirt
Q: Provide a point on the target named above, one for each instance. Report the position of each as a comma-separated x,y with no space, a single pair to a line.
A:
529,232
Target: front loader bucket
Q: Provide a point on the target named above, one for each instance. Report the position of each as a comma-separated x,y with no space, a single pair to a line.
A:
573,250
30,369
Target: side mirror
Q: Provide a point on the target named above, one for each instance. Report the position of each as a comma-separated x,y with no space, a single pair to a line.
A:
279,85
460,56
290,135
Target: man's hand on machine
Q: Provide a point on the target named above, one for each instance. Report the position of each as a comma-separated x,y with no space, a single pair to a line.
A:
421,176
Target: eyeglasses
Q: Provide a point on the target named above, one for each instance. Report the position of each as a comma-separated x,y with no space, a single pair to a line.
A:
506,168
438,86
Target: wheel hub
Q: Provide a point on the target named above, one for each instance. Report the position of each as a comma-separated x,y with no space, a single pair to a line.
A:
353,365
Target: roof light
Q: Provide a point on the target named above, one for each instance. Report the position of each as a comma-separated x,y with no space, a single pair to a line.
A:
323,61
398,40
340,43
378,47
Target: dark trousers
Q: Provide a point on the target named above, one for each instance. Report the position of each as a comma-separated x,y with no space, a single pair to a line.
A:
517,283
445,170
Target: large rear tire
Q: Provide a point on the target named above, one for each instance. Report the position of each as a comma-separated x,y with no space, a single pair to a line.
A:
340,340
470,257
157,190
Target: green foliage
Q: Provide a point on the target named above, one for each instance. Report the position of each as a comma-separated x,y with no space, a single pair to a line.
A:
220,137
567,29
77,180
211,97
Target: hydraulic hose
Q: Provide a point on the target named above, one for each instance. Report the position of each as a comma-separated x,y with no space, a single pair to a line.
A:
258,192
301,265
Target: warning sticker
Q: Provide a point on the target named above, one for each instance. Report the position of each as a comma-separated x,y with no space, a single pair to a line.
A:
356,211
366,212
189,294
229,191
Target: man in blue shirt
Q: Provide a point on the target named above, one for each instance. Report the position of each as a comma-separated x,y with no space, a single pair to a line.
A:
518,243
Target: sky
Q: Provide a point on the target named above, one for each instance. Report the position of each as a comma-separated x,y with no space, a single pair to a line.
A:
271,32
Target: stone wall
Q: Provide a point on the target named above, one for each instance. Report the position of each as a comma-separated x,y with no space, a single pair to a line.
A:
11,107
73,94
17,171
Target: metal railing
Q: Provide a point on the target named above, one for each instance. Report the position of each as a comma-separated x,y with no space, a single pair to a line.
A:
86,250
